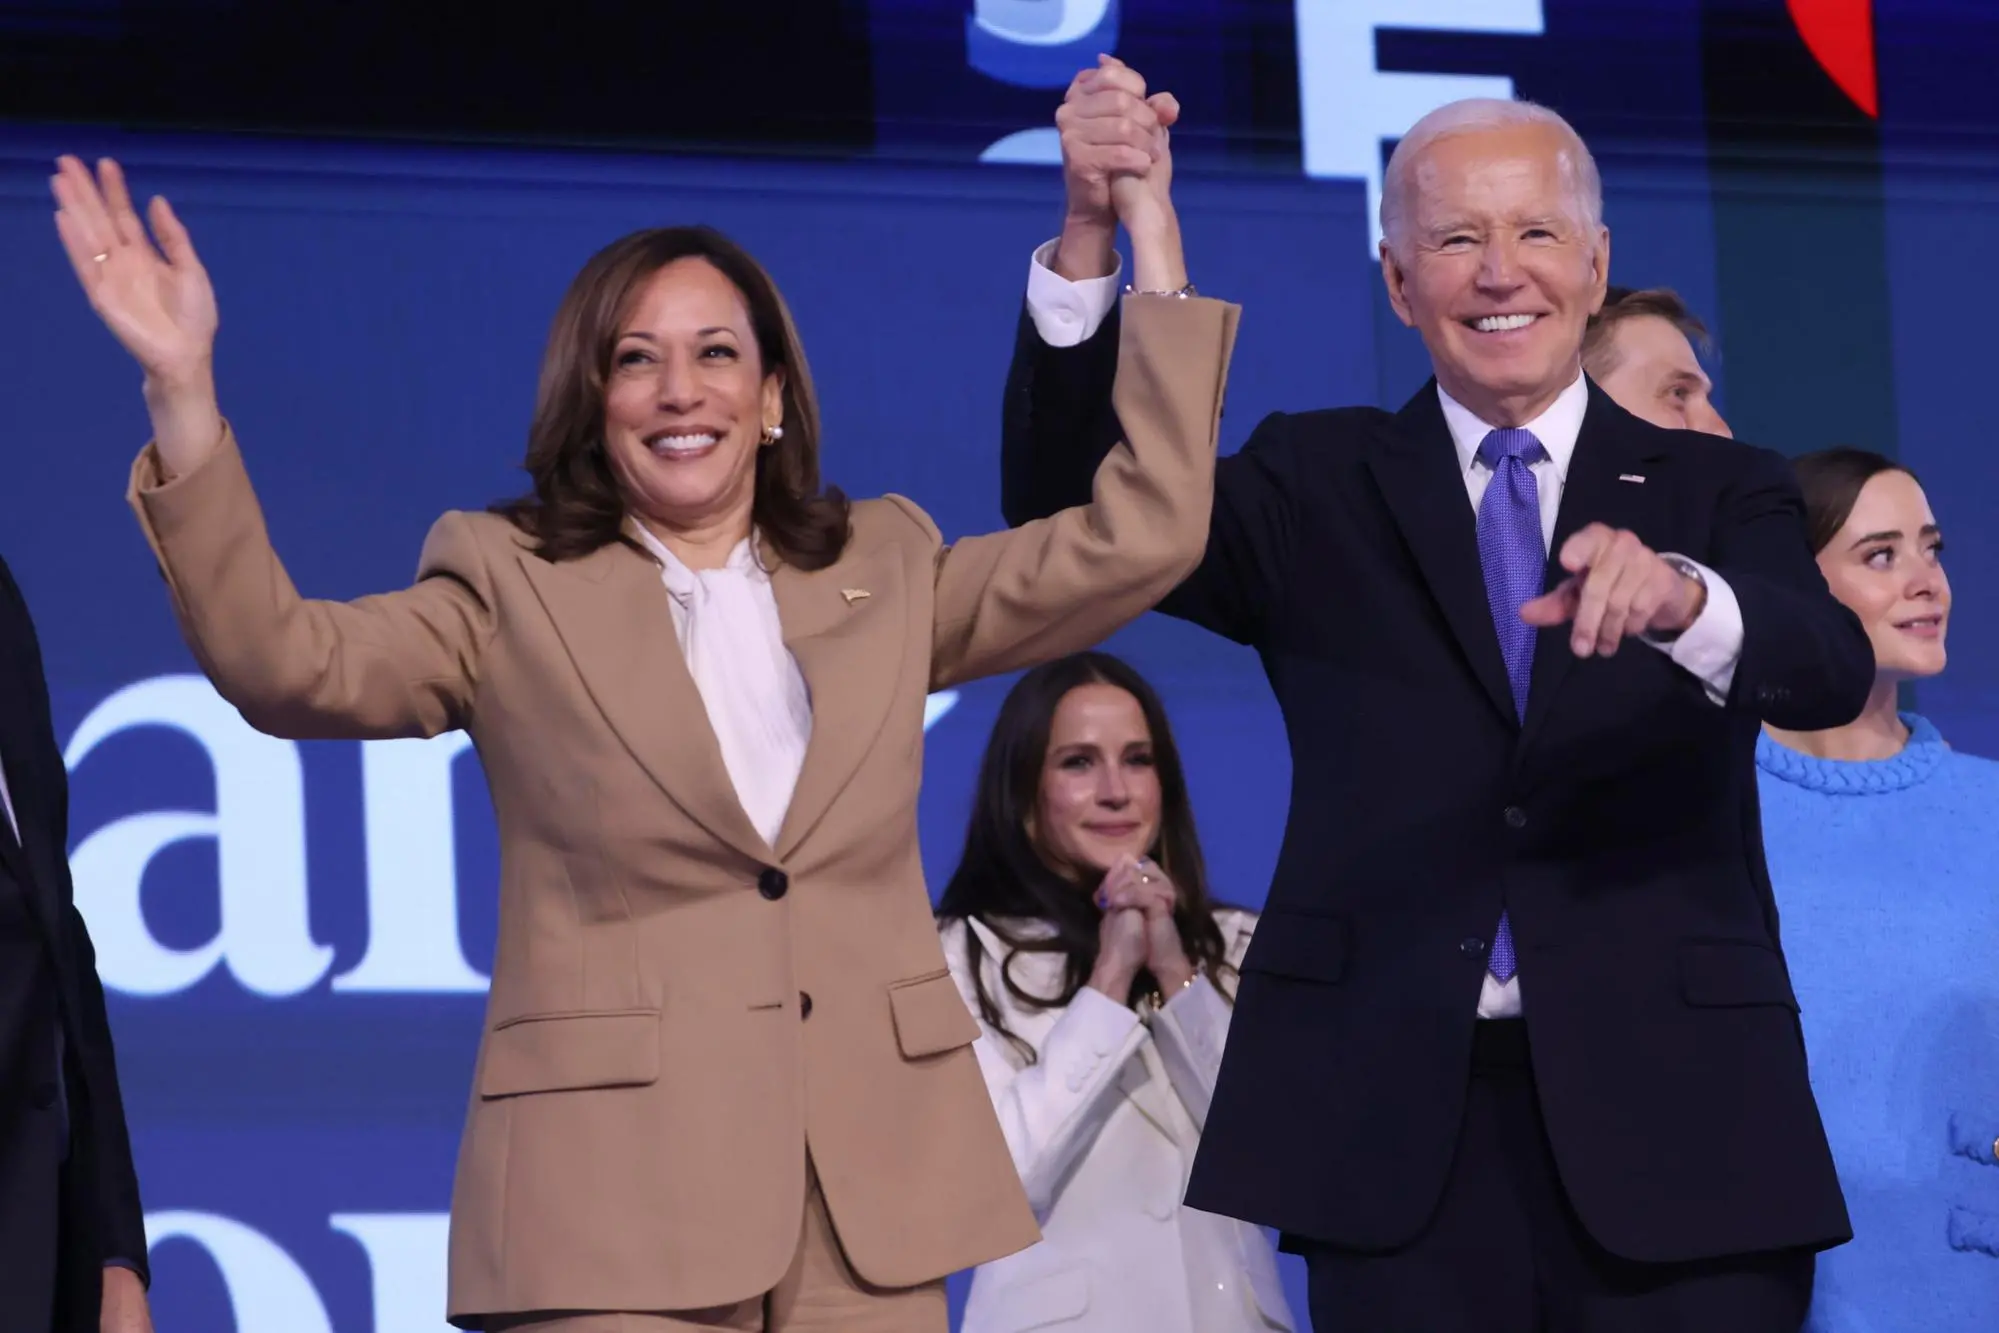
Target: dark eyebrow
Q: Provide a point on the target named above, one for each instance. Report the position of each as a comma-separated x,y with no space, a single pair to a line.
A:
1893,535
708,332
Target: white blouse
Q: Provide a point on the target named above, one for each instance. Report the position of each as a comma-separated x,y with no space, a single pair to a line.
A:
757,702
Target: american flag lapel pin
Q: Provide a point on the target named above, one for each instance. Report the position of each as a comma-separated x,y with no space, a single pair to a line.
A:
1631,477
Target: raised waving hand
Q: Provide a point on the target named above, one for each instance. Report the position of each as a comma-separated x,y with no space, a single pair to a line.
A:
153,294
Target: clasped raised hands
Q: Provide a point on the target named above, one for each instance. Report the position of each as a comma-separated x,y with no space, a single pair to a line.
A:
1117,162
1138,931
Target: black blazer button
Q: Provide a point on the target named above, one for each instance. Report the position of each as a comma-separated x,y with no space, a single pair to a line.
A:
773,883
43,1096
804,1004
1472,947
1515,817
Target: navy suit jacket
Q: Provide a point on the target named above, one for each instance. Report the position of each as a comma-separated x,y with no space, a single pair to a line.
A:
1616,824
65,1156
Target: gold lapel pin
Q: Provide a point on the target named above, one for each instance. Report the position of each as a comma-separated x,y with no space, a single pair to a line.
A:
853,594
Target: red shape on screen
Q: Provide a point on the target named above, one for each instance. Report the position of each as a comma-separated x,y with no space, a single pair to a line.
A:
1840,36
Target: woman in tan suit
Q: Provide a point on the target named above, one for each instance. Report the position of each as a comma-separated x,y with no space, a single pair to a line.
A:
726,1080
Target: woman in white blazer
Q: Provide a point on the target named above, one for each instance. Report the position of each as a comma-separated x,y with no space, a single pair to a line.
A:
1078,927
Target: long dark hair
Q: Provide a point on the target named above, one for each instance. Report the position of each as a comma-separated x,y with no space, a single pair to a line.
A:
576,505
1832,480
1003,880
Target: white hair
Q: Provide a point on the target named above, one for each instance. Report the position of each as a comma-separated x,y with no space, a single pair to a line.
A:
1471,116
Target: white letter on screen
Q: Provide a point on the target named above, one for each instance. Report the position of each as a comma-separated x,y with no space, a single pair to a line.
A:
412,870
268,1291
407,1257
1347,108
259,829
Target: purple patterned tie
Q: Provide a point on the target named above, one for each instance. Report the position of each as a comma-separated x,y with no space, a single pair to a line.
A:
1515,561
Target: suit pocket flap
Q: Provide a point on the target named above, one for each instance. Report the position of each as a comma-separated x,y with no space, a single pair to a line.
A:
1304,945
559,1052
930,1015
1721,974
1042,1299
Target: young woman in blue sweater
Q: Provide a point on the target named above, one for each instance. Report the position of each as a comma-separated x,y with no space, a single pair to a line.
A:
1883,845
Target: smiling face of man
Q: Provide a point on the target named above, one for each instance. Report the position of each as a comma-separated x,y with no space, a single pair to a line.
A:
1495,259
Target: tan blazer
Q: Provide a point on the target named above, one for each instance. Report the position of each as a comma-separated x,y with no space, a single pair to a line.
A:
650,1076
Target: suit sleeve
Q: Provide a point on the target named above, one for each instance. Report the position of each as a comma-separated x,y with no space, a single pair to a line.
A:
1806,662
1191,1029
392,665
1051,1109
1060,583
1059,420
101,1186
120,1221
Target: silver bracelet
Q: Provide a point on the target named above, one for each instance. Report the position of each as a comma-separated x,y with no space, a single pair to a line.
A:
1182,293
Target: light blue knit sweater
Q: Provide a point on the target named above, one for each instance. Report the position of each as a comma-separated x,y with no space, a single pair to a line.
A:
1887,883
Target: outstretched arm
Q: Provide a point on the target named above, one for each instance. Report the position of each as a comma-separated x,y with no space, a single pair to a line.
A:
402,664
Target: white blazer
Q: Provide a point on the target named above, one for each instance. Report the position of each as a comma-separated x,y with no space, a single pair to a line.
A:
1103,1127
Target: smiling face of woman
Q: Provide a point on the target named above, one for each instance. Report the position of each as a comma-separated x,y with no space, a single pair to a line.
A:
687,402
1100,794
1886,564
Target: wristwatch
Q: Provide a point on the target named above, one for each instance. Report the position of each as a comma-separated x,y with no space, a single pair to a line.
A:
1182,292
1686,569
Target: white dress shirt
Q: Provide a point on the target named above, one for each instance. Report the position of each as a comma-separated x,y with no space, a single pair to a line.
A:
757,702
1066,313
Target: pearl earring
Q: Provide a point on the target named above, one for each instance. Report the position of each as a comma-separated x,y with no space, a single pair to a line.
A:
772,434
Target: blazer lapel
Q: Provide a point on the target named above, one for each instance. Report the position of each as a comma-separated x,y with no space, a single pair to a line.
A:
1599,489
844,626
26,854
1417,470
1146,1084
27,752
613,615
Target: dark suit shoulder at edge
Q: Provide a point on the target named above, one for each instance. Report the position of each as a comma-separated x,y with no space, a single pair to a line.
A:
1736,456
1319,430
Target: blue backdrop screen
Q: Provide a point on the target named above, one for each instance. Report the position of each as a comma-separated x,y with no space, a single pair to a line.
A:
295,938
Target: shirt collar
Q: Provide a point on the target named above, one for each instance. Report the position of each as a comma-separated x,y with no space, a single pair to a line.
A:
680,580
1556,428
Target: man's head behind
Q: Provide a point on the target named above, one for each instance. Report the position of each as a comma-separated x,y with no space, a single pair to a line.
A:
1494,249
1640,349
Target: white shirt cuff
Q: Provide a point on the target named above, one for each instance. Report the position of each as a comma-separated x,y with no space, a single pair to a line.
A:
1710,647
1103,1020
1067,313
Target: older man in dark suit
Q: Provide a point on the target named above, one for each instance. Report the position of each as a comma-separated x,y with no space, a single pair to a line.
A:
72,1237
1516,1047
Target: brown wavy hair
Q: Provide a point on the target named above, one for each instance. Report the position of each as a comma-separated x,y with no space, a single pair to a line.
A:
577,505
